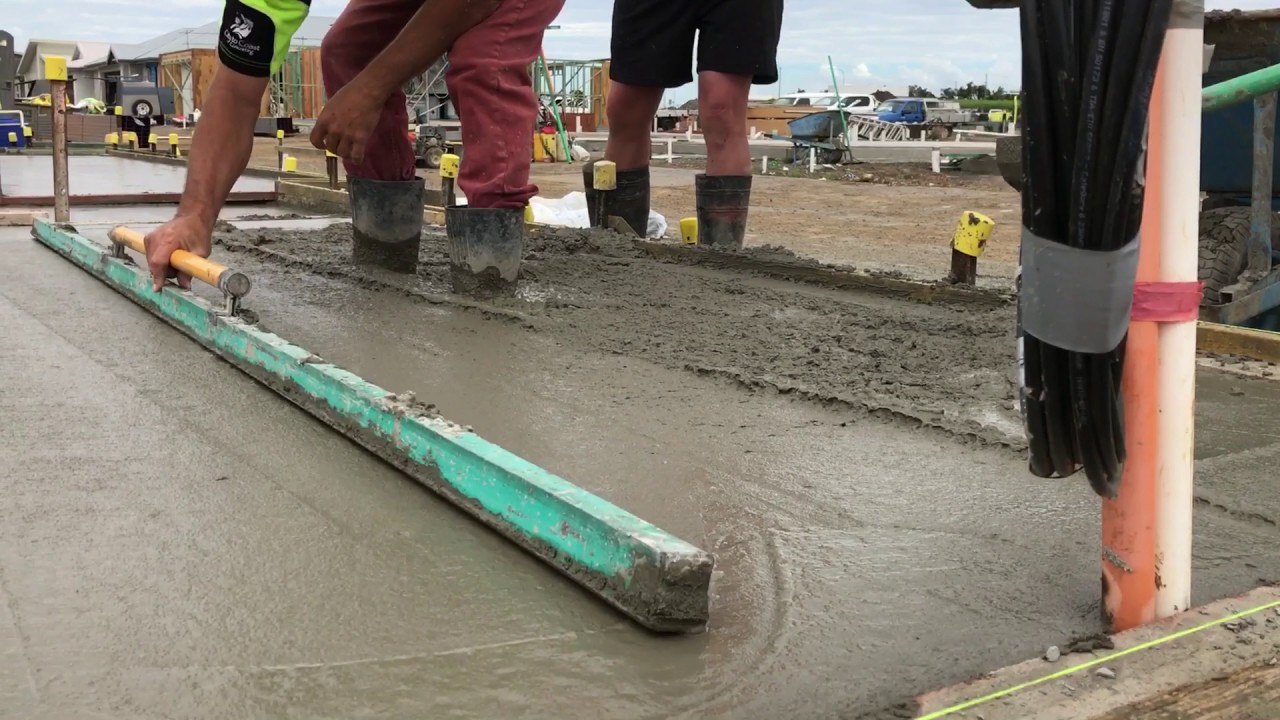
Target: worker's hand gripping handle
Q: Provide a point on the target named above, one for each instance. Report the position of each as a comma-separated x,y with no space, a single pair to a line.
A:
231,282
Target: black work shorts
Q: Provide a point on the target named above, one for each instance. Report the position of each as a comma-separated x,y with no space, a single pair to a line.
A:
652,43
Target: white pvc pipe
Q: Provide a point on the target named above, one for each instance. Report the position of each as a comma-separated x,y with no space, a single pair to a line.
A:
1182,65
764,165
936,156
671,151
813,160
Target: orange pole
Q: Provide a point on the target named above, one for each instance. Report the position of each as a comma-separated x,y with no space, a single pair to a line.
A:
1129,522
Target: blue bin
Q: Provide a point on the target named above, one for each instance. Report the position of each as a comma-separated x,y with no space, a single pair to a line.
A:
11,123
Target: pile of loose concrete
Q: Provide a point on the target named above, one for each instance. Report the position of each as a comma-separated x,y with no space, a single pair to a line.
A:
948,366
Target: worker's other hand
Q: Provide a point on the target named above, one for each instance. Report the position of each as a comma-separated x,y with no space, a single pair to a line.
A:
180,233
347,121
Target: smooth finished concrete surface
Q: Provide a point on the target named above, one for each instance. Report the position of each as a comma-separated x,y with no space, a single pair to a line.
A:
178,541
32,176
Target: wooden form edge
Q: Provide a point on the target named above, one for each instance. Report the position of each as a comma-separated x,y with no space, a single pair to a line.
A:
1244,342
653,577
1162,665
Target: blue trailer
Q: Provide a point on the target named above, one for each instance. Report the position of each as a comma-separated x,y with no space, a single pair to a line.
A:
13,132
1240,176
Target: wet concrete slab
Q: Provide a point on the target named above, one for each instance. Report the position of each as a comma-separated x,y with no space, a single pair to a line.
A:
269,568
32,175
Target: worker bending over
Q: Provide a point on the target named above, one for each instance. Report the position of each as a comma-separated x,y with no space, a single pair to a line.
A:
368,55
652,50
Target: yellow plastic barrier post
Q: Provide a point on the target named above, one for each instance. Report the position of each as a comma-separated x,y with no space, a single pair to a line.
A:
55,71
689,230
967,245
604,180
449,166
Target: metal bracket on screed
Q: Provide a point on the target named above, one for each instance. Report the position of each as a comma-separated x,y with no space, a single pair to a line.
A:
230,303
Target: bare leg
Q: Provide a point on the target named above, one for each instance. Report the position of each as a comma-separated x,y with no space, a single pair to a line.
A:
722,113
631,109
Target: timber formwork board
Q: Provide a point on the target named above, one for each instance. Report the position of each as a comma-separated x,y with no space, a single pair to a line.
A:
657,579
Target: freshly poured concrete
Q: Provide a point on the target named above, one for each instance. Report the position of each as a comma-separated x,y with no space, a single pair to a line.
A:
177,541
32,176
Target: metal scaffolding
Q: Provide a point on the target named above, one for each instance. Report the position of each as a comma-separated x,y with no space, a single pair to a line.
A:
572,86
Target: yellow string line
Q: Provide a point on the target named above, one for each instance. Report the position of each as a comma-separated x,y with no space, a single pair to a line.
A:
1096,662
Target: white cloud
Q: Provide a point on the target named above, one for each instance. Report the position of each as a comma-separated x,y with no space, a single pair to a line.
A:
934,43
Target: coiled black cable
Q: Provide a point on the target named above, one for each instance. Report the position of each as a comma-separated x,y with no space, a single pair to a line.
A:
1088,67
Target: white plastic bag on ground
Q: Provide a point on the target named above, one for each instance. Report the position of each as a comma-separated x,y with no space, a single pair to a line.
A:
571,211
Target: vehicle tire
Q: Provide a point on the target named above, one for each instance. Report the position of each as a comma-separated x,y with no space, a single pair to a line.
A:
1224,249
830,157
432,156
142,109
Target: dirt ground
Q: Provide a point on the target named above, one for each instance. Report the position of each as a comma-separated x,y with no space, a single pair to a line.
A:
902,219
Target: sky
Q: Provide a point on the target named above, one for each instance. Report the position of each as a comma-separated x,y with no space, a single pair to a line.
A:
882,43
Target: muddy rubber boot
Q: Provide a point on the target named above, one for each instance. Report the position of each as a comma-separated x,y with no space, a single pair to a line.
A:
485,249
631,200
386,222
722,202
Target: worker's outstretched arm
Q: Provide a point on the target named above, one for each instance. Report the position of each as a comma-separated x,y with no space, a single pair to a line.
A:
253,41
350,115
221,145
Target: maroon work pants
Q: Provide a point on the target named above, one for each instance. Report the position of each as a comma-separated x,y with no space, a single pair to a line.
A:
489,83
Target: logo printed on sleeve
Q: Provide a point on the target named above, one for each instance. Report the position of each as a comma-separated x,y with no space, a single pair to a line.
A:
236,36
241,27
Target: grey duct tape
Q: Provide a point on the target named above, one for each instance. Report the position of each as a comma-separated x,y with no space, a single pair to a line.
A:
1074,299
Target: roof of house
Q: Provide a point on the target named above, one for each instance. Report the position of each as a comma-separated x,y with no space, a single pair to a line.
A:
78,51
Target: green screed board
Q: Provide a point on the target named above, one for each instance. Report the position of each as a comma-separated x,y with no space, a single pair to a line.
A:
659,580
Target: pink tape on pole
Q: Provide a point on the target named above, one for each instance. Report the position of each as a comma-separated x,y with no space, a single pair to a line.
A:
1166,302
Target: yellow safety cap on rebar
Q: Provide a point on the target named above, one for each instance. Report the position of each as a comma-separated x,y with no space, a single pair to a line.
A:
528,213
972,233
279,134
153,139
689,230
604,175
13,138
290,164
26,131
113,138
329,154
449,164
117,110
173,138
55,67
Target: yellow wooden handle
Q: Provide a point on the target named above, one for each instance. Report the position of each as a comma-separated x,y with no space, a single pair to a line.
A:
202,269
